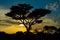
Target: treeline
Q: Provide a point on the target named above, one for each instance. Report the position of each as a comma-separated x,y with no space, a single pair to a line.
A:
30,36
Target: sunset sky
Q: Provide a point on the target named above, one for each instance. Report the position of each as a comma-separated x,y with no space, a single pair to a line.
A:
10,25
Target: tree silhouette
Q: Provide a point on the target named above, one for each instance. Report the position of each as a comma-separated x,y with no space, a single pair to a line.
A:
27,16
50,29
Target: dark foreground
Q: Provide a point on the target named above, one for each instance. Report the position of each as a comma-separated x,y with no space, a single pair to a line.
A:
29,36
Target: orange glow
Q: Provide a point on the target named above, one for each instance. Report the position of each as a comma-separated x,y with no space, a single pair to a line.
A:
21,25
13,29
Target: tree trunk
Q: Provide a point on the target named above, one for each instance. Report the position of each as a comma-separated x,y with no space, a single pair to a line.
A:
29,28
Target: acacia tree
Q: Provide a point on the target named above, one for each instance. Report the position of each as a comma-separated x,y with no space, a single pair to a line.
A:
27,16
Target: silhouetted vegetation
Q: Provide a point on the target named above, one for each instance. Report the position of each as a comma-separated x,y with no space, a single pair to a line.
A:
30,36
27,16
50,29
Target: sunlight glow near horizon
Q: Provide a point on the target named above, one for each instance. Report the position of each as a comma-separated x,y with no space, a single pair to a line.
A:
16,28
21,25
13,29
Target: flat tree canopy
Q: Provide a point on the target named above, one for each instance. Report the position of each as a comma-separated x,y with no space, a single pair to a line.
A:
27,16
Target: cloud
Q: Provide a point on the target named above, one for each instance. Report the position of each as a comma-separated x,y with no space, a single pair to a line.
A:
55,14
4,20
7,22
52,6
3,11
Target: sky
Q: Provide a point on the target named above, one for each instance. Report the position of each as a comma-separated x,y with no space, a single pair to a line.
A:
50,19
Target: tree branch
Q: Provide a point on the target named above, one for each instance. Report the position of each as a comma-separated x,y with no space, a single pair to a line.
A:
23,23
